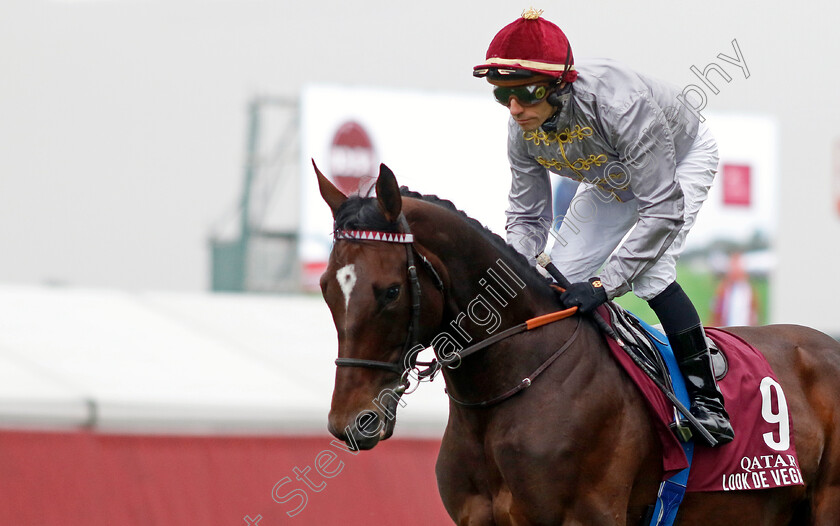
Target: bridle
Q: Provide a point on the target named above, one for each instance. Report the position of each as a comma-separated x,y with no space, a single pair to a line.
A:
405,237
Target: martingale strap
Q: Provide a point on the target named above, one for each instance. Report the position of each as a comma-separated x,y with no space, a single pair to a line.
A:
528,380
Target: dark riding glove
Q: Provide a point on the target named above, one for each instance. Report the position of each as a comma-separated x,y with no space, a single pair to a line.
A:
585,295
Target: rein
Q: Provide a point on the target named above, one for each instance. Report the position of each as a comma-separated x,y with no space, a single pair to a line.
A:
434,366
533,323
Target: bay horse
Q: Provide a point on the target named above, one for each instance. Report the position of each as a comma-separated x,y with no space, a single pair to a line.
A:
574,446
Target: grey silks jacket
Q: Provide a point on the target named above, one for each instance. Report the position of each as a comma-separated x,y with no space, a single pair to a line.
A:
622,132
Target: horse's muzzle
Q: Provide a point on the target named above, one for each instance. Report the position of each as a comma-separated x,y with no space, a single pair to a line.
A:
364,431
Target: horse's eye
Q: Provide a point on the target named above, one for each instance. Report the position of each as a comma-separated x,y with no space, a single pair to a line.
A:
392,293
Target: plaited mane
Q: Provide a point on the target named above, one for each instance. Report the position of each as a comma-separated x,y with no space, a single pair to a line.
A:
362,213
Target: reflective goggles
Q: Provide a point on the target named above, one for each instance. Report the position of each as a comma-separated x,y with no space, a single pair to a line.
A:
525,95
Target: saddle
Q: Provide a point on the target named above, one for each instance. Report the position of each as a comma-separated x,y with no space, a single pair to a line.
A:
640,341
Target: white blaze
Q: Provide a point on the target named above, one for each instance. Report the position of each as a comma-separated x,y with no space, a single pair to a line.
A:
346,277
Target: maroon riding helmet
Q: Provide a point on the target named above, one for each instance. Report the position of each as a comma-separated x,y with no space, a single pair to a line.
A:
529,46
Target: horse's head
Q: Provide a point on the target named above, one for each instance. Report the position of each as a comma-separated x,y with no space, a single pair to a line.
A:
372,287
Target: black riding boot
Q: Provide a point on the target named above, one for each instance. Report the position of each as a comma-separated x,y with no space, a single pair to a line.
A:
685,332
695,362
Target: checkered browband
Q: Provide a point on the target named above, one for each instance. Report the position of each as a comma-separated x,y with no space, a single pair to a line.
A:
371,235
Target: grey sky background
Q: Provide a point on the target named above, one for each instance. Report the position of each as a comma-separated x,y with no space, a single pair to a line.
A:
123,122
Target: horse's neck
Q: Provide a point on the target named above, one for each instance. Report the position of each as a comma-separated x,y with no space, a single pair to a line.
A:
495,289
488,291
486,282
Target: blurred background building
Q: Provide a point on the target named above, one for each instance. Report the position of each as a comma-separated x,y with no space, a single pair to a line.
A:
165,357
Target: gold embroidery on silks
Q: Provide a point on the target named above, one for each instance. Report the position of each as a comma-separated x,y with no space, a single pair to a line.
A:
568,136
620,176
586,164
576,165
563,137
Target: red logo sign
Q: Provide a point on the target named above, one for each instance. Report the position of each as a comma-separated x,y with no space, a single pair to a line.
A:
353,165
736,184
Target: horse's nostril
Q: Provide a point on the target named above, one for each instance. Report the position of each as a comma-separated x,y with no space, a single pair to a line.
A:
368,423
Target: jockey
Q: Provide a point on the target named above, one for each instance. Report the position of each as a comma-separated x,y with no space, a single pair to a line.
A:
645,164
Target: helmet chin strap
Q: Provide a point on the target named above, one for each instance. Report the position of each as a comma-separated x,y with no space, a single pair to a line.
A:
560,96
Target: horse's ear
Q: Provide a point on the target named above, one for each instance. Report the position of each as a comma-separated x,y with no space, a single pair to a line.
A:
332,195
388,194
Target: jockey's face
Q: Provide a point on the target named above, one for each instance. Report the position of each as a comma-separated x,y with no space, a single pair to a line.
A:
528,116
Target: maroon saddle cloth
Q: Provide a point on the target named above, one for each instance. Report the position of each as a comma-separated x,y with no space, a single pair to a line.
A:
763,453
